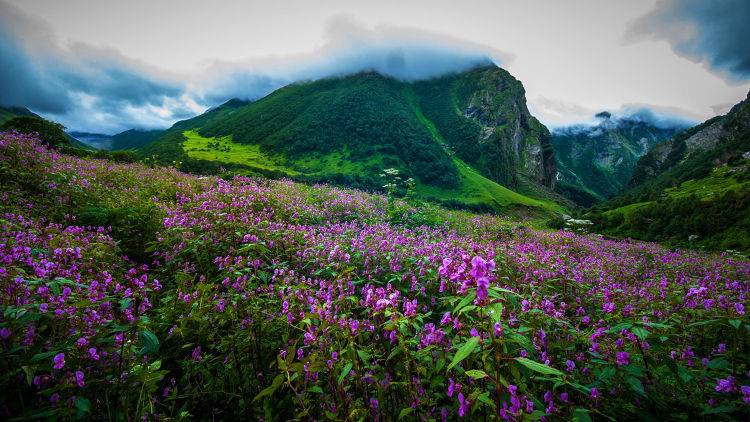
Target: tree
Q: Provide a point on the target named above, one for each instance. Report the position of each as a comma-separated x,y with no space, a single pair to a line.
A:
50,133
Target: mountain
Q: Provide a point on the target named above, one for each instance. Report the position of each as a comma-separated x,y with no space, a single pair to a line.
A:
596,162
7,113
465,139
691,190
134,138
94,140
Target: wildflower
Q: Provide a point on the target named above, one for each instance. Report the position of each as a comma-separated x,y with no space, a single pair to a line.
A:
622,358
463,405
594,393
571,366
196,354
59,361
725,385
79,379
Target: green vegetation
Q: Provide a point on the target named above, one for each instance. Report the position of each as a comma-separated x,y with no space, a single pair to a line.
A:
597,162
51,133
134,138
689,194
7,113
348,130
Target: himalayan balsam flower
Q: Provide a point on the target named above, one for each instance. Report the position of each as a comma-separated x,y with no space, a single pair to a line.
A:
59,361
622,358
80,379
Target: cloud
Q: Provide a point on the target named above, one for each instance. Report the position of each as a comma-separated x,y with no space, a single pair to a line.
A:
657,116
96,89
714,33
82,86
402,53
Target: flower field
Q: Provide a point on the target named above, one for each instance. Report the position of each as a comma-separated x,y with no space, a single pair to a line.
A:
129,292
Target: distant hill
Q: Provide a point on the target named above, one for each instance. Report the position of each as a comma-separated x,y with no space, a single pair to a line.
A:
134,138
692,190
466,139
596,162
94,140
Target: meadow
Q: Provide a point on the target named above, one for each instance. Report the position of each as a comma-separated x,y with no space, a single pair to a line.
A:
137,292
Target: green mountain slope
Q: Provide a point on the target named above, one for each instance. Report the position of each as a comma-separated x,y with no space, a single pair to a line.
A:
692,190
7,113
596,162
466,139
134,138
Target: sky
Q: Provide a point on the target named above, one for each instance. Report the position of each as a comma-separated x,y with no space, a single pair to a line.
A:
106,66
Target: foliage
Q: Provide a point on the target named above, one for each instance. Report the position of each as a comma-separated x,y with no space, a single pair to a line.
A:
50,133
275,300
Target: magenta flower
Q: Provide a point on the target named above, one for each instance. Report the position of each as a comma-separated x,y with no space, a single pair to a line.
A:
725,385
80,379
59,361
463,405
622,358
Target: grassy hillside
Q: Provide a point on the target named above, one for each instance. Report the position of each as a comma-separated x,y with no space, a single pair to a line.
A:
693,190
134,138
348,130
474,190
7,113
596,162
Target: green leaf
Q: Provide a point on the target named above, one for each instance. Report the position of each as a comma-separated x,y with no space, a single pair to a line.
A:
720,409
41,356
149,343
83,404
271,388
496,311
464,351
405,412
581,415
476,374
315,389
539,367
735,323
641,332
345,372
636,385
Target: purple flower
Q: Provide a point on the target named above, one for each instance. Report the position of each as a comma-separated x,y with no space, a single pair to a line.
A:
725,385
594,393
4,332
452,387
79,379
745,389
571,366
622,358
196,355
59,361
463,405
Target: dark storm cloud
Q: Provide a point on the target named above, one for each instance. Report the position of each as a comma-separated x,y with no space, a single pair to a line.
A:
716,33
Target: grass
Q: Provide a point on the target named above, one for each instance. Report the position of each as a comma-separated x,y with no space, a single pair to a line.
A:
719,181
224,150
